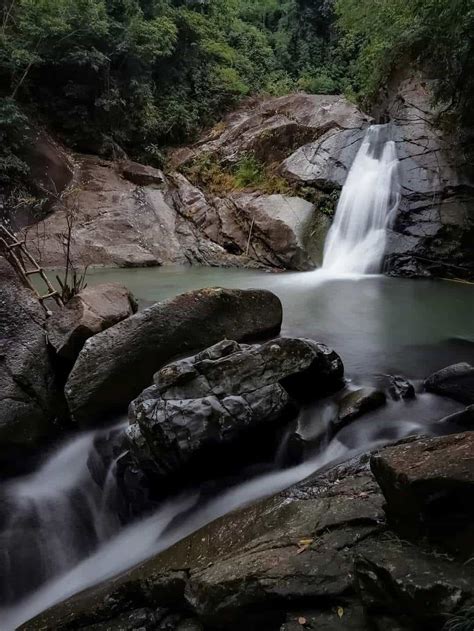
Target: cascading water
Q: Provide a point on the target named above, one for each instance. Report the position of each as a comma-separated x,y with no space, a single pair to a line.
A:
367,206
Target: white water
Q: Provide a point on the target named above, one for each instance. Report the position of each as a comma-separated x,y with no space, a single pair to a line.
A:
367,206
152,535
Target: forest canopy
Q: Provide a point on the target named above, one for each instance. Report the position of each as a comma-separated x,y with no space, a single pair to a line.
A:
142,74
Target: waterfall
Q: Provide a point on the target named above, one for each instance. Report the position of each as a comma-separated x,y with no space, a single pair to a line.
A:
366,208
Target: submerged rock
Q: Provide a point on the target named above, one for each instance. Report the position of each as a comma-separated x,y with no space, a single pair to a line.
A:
116,365
456,382
93,310
29,398
201,404
355,404
429,488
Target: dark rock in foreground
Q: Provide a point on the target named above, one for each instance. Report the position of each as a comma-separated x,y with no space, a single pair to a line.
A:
116,365
93,310
456,382
318,556
202,403
429,488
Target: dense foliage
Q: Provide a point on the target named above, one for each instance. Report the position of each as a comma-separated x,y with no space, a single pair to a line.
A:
141,74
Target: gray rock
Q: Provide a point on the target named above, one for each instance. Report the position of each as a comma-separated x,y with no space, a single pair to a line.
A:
200,404
28,394
116,365
401,388
355,404
459,421
456,382
398,579
429,488
93,310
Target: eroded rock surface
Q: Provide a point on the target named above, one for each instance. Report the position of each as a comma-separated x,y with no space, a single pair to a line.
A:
116,365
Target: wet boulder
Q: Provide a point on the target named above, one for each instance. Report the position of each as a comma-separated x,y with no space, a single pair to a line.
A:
93,310
355,404
224,394
117,364
462,421
456,382
429,488
401,388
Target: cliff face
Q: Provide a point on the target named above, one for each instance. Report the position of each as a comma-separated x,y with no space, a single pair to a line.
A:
434,231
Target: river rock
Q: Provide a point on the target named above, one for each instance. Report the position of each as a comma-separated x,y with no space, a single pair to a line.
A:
116,365
429,488
216,398
29,399
456,382
355,404
93,310
401,388
458,422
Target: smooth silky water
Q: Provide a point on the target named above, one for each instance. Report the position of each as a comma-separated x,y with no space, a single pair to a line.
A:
61,534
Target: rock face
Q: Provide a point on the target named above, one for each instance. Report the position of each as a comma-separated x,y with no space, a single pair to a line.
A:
455,381
28,394
133,215
93,310
434,229
116,365
201,404
429,488
318,556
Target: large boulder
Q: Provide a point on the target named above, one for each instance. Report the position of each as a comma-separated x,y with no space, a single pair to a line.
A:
456,382
28,393
429,488
93,310
199,405
116,365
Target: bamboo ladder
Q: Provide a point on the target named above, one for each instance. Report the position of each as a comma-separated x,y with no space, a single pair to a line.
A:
16,252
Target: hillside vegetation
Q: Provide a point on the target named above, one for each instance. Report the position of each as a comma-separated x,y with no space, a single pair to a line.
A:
139,75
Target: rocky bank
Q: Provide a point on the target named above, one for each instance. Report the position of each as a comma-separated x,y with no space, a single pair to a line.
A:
301,148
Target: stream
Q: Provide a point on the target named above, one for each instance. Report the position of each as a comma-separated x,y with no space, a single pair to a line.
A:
61,535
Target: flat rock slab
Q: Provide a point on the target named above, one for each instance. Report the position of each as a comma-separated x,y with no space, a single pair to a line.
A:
116,365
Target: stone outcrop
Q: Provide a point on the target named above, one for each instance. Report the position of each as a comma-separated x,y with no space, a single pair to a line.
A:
225,395
319,556
434,229
116,365
456,382
132,215
28,394
93,310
